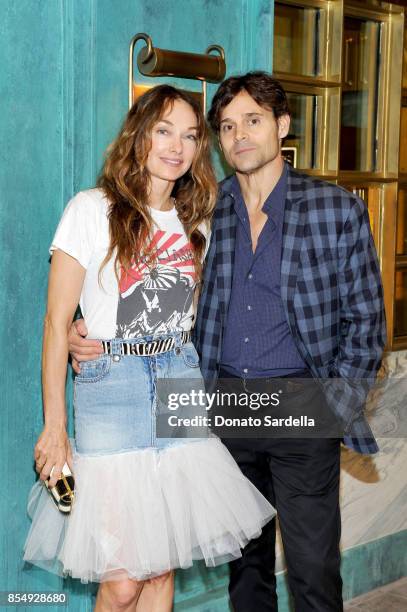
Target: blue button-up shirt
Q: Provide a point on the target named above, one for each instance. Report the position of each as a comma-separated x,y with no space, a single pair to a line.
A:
257,341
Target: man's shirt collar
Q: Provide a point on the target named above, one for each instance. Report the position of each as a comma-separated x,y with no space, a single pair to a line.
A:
274,203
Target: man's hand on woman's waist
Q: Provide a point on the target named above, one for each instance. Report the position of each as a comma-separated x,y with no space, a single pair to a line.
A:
80,348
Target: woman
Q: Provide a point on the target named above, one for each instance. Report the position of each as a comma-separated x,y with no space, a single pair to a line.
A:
131,252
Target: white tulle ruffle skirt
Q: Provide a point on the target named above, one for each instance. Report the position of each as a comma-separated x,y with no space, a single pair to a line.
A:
141,513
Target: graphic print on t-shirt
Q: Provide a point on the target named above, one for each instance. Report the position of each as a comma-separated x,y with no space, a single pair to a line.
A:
157,298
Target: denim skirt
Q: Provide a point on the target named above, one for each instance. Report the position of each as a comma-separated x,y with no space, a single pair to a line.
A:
116,399
144,504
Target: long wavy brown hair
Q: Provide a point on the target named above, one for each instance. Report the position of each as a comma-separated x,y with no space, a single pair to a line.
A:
125,181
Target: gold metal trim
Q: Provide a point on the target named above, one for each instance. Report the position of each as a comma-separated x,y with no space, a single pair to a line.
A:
309,81
149,43
154,62
352,176
399,343
371,10
304,3
401,262
294,87
290,155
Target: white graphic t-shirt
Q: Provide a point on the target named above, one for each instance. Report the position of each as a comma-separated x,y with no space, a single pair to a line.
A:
154,298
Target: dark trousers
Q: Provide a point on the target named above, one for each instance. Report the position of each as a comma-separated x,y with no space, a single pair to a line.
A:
300,477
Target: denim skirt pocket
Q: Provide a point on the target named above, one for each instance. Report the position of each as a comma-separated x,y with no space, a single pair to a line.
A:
94,370
190,355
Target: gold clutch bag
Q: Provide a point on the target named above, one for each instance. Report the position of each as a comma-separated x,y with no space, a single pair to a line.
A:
63,493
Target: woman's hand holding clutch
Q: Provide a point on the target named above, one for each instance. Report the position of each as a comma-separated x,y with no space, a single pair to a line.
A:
51,452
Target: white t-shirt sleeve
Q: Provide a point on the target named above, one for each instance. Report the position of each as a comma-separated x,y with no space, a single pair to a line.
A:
77,230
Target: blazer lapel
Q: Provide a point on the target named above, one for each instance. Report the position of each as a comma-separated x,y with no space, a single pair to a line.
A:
226,223
293,232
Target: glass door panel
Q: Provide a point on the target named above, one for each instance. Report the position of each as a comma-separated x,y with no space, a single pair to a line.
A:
400,303
297,39
360,82
305,129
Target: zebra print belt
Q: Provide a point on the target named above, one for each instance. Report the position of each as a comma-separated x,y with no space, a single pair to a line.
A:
145,349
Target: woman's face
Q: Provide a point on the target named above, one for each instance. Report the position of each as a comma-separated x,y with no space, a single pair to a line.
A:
174,141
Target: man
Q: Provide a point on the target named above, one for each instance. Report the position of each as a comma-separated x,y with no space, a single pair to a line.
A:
291,288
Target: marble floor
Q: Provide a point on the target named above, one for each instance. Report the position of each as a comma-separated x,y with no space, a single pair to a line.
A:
390,598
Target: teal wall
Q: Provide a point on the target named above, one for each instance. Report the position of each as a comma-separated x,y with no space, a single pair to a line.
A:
32,187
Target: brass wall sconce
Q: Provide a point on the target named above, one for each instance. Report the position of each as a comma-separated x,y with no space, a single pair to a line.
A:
155,62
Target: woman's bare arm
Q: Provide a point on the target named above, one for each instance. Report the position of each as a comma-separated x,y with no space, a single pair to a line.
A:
65,283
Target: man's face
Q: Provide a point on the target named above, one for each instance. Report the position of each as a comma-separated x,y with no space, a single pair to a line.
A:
250,136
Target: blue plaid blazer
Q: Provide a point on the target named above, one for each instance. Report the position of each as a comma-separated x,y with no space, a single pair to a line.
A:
331,290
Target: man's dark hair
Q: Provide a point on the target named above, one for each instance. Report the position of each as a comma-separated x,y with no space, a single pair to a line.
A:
261,86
